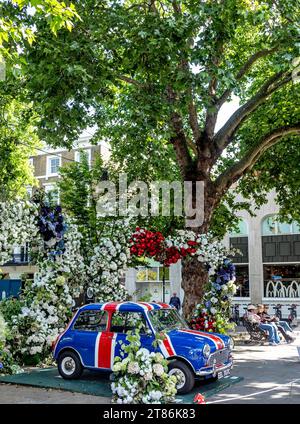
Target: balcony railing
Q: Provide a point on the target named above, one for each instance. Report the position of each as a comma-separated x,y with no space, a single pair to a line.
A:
284,289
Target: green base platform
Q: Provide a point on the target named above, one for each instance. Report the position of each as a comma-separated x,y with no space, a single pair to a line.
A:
98,384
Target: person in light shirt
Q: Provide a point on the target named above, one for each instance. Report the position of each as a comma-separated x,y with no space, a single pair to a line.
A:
252,317
282,326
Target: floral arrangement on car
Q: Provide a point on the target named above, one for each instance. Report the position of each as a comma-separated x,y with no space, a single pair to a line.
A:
213,313
141,376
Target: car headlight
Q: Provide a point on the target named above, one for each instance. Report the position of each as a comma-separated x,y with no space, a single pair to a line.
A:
231,344
206,350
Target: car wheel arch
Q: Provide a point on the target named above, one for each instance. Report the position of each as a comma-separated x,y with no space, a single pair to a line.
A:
70,349
182,359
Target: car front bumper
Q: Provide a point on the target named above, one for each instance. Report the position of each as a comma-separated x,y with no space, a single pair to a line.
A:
213,370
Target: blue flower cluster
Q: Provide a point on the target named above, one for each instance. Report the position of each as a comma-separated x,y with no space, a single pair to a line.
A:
52,228
224,274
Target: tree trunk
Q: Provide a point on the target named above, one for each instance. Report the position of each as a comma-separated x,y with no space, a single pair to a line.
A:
194,273
194,278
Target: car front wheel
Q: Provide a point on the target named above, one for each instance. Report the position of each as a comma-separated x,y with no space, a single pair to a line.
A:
185,376
69,366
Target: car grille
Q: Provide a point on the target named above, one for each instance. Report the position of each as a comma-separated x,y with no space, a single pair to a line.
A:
219,357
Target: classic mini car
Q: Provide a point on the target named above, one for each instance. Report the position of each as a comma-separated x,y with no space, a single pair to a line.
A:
90,341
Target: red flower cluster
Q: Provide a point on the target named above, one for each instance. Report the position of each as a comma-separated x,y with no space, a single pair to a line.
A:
149,243
199,323
146,243
172,256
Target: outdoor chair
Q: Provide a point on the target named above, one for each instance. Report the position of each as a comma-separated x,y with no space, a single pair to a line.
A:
256,334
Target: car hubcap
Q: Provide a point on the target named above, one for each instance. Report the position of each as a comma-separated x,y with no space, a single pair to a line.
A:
179,374
68,365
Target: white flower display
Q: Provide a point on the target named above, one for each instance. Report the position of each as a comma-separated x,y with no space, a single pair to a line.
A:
158,369
18,226
137,375
133,368
207,250
108,263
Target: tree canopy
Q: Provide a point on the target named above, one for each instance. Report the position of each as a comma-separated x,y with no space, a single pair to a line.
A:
153,76
18,120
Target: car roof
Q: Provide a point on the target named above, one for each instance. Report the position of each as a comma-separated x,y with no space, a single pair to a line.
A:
125,306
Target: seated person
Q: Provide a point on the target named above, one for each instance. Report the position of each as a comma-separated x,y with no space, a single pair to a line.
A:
252,317
282,326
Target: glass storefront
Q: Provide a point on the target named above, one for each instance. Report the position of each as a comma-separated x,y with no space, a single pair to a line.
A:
282,280
242,281
282,272
151,286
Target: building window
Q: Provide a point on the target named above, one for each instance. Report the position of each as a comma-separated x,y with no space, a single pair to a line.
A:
271,226
29,191
80,154
53,164
242,281
153,284
152,274
282,280
52,194
241,231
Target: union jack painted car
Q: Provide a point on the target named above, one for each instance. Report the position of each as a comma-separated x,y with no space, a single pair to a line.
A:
91,341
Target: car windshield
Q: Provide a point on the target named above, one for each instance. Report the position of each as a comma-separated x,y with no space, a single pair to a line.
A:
166,320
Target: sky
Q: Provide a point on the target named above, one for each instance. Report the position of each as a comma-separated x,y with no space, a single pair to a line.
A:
226,111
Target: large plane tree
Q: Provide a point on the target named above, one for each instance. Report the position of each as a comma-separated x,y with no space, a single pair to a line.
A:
153,76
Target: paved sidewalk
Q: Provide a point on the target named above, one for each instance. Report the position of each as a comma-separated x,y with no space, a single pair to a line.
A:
10,393
271,375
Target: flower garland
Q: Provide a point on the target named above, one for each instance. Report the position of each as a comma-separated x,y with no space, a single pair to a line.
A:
182,244
153,244
213,313
109,262
141,377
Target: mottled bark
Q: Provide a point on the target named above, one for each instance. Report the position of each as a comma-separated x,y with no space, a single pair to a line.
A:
194,273
194,279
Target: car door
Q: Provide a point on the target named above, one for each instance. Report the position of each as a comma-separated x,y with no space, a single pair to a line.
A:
124,321
87,330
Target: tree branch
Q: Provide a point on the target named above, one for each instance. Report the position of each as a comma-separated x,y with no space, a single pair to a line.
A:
180,143
213,109
130,81
192,145
193,118
238,169
243,71
226,133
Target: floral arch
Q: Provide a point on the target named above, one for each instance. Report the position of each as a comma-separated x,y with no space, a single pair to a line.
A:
63,271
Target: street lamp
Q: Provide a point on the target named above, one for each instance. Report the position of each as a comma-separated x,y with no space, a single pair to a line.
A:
164,284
